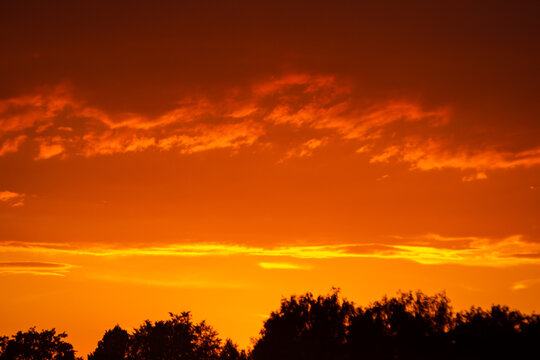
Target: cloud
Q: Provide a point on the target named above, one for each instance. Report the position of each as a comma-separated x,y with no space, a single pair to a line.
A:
525,284
34,268
305,149
110,142
323,103
34,110
294,115
198,124
428,249
477,176
231,136
432,155
282,266
50,148
11,145
12,198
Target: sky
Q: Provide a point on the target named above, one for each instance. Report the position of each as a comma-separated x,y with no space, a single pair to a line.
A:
216,156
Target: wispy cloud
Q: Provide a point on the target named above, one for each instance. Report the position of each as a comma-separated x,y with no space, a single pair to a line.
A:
431,154
34,268
50,147
12,198
525,284
283,266
295,114
305,149
11,145
428,249
197,124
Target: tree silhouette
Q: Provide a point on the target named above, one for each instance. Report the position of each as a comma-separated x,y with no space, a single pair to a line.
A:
495,334
35,345
410,326
113,346
406,327
177,338
3,344
306,328
230,351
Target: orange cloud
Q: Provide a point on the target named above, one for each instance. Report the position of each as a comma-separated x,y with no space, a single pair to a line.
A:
317,105
12,198
477,176
50,148
431,154
310,84
24,112
305,149
205,138
11,145
319,102
110,142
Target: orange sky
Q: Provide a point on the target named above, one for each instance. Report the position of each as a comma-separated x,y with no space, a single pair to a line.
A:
215,156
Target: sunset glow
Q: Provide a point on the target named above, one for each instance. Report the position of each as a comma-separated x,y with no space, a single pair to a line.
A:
215,157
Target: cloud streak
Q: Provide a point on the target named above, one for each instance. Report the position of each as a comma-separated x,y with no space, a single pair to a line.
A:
428,250
434,155
34,268
282,266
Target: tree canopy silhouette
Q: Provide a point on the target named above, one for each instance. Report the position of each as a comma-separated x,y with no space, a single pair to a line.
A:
36,345
409,326
113,346
306,327
405,327
176,338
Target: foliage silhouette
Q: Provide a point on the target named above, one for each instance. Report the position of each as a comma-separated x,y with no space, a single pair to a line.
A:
405,327
230,351
176,338
409,326
35,345
306,328
113,346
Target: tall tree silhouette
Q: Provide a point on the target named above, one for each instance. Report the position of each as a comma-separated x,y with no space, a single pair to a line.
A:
36,345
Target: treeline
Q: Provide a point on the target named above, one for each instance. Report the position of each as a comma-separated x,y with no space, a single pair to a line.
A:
408,326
